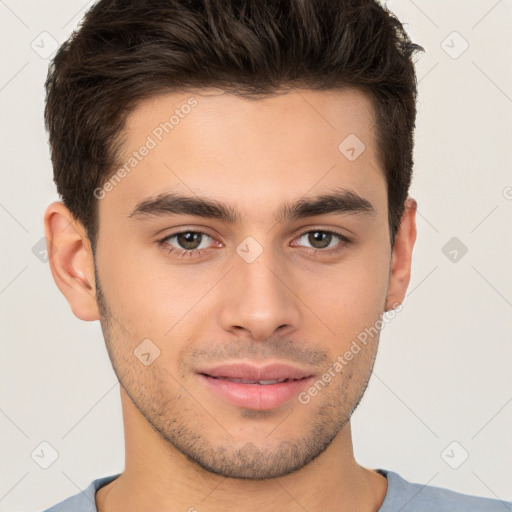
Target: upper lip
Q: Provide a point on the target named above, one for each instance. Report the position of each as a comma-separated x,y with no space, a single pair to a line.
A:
251,372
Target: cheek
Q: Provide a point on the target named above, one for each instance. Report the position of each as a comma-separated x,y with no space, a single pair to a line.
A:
150,294
349,295
150,297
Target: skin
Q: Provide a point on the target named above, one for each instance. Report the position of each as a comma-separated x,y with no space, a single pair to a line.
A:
187,448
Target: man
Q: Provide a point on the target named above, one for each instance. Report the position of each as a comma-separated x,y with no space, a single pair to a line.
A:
235,212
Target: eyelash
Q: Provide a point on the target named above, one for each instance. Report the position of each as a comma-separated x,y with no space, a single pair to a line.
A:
198,252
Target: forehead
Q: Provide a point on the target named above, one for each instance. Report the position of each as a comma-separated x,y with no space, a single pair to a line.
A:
218,117
276,148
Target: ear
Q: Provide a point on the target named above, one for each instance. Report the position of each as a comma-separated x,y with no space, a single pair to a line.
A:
400,272
71,260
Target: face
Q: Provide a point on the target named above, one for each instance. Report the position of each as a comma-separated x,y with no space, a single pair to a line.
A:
239,256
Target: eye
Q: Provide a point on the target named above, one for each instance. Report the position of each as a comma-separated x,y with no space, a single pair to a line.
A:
195,243
321,240
188,243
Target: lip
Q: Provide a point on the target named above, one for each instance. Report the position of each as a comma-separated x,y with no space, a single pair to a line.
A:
252,372
253,395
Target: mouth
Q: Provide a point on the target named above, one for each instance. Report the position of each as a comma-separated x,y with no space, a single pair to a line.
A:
265,382
257,388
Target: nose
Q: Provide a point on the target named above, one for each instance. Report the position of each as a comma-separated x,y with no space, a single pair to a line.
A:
259,299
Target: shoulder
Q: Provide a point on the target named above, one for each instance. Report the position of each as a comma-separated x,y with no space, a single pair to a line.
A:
413,497
84,501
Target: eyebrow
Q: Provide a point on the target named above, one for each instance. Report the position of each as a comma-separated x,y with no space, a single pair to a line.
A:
341,201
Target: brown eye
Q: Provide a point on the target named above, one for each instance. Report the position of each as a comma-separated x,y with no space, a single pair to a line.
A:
319,239
189,239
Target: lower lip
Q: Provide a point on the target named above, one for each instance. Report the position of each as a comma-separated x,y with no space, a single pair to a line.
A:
256,396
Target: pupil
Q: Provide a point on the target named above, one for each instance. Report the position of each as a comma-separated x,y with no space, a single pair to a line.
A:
188,240
324,239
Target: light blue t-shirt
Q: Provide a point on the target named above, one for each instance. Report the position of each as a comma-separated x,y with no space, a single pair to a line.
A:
401,496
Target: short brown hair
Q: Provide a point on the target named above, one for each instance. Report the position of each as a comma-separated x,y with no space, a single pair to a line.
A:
127,50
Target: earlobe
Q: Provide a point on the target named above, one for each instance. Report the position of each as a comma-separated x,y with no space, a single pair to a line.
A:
71,260
402,255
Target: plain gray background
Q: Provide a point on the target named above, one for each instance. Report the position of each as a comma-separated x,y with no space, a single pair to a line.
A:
438,409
